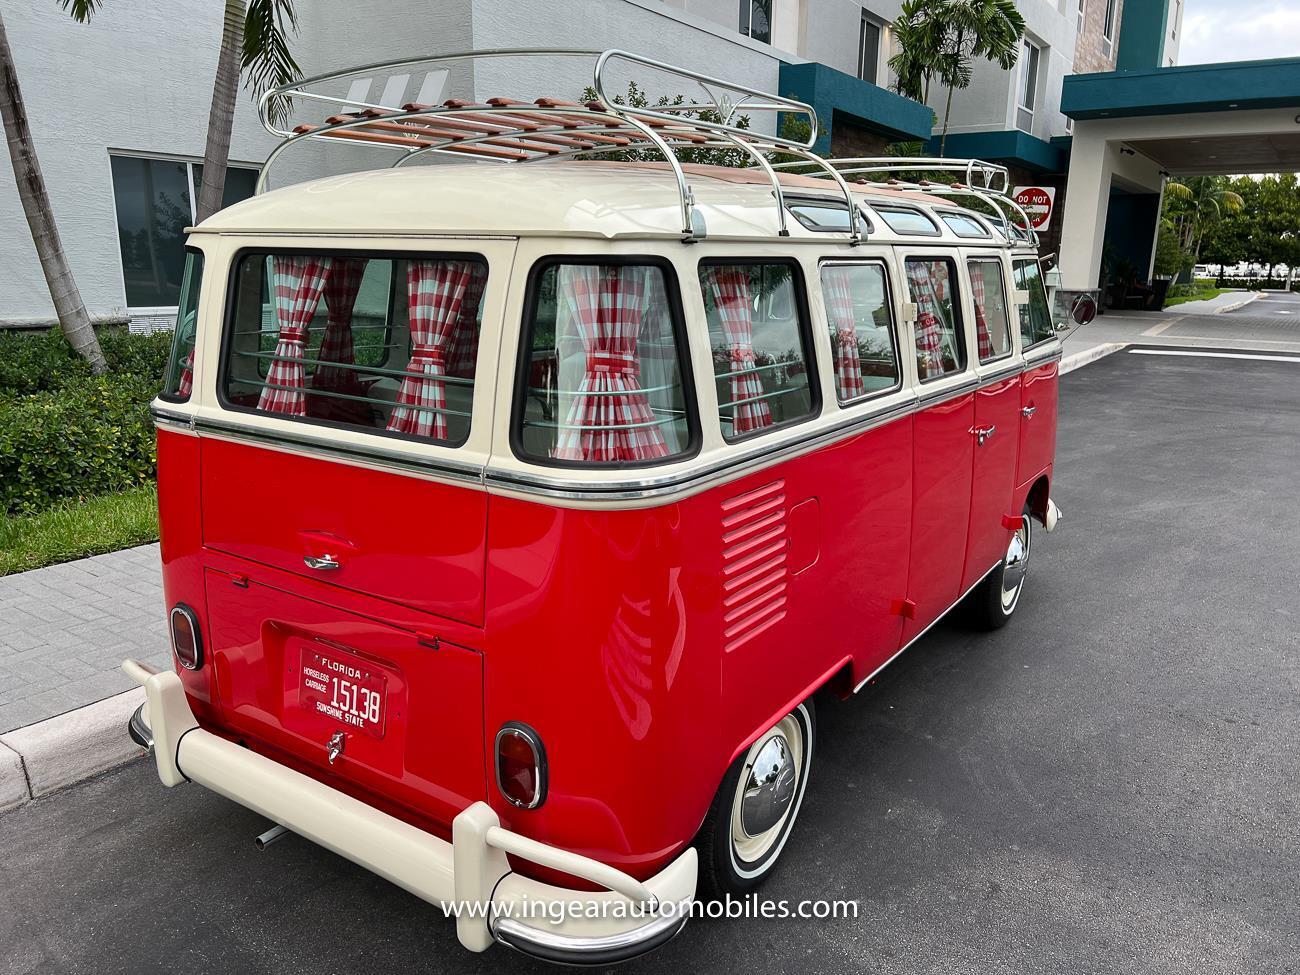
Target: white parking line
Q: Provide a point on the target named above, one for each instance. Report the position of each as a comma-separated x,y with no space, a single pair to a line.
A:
1215,355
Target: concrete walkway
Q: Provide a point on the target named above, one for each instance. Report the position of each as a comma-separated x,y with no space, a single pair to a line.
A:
65,629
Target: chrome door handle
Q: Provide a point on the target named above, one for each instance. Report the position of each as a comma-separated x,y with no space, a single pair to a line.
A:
1029,411
983,433
323,563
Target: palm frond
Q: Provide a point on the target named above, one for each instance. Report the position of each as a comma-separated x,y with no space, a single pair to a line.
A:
81,10
1178,191
266,58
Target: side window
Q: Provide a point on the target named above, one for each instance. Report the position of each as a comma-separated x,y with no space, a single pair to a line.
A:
178,383
603,379
381,343
859,314
940,347
759,342
992,326
1035,317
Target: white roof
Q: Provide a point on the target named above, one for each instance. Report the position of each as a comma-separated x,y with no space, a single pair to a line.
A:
594,199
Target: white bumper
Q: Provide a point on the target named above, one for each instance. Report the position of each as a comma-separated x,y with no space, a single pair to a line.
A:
469,876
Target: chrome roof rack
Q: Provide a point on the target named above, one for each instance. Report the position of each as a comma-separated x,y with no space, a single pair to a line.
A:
504,130
982,180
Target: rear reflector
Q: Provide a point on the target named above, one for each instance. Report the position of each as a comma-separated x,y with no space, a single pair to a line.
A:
186,639
521,765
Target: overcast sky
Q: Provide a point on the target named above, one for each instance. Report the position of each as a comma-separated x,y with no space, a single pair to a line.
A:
1239,30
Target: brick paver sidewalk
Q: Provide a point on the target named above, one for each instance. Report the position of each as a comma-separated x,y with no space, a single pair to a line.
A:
65,629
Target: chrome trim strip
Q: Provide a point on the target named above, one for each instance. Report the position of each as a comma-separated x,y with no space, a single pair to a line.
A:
897,653
755,455
1049,351
1002,372
604,950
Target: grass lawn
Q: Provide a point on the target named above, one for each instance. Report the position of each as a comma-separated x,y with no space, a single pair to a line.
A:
75,530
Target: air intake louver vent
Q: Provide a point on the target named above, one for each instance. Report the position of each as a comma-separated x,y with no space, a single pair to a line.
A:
755,545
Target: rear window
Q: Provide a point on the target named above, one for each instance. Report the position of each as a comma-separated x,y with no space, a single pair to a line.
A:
1035,317
178,382
759,337
940,348
386,344
859,315
603,378
902,220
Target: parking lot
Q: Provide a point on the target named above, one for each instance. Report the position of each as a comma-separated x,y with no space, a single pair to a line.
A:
1107,785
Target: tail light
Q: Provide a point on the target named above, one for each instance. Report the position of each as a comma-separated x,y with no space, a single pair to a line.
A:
521,765
187,641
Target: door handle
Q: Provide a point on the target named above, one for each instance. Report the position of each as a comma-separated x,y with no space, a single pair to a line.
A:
1029,411
983,433
323,563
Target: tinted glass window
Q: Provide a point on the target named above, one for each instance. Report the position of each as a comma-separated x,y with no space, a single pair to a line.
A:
932,286
992,327
964,226
379,343
1035,317
152,198
603,379
179,380
760,355
860,318
912,222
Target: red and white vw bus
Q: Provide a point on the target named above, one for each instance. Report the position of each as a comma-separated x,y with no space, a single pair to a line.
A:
512,515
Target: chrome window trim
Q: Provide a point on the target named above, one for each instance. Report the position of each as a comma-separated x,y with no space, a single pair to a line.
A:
890,304
852,420
1007,306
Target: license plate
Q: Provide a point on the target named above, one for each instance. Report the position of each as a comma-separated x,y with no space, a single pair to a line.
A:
344,687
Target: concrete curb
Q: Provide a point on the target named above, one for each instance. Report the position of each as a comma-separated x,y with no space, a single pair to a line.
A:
1251,296
67,748
1072,362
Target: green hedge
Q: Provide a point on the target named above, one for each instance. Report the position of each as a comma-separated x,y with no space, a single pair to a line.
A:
65,434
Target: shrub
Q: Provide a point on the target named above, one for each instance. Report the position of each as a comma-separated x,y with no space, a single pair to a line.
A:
32,362
90,437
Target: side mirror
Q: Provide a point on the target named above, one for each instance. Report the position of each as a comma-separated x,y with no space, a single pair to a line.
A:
1083,309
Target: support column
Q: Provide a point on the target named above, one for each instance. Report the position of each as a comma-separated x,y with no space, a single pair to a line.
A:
1092,167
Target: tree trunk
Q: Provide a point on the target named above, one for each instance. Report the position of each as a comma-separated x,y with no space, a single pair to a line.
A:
221,117
943,137
40,216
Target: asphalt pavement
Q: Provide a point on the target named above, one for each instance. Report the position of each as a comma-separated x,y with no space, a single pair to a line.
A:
1107,785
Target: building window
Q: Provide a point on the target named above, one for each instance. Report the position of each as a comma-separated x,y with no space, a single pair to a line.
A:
1108,28
869,32
756,19
1078,23
1028,93
155,201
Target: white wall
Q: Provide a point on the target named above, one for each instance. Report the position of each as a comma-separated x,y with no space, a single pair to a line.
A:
131,79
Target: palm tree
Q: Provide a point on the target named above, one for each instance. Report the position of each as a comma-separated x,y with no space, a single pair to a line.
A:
68,306
941,38
1201,202
255,39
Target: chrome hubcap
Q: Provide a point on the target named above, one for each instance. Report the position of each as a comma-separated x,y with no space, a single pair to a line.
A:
1015,565
769,787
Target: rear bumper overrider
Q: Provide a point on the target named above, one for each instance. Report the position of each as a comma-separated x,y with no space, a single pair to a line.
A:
469,877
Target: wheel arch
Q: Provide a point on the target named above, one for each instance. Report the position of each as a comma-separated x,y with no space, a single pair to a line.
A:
1036,499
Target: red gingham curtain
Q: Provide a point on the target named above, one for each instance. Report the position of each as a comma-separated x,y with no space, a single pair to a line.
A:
342,285
837,293
185,385
464,337
729,289
984,342
298,283
929,331
610,419
435,291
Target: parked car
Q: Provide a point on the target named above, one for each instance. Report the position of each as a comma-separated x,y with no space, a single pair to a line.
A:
512,516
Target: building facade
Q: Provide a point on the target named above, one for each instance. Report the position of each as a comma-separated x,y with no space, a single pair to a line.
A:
119,107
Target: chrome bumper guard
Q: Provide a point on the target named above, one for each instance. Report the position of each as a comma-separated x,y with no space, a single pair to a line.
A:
469,878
